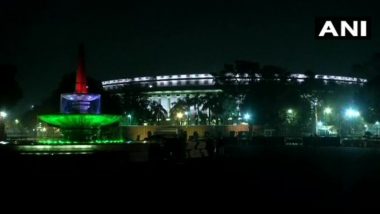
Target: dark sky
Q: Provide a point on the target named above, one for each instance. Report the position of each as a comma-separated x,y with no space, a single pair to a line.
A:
138,38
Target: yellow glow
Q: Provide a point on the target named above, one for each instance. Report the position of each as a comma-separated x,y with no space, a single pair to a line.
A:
179,115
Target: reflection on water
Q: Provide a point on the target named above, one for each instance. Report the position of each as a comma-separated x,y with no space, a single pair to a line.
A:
56,153
55,149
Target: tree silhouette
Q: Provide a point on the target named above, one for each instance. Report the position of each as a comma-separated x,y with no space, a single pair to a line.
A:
208,104
181,106
158,111
10,91
369,97
135,103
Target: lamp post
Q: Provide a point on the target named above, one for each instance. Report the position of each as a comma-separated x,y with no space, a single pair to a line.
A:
327,111
377,123
290,117
3,115
129,119
179,116
247,118
315,104
351,114
187,117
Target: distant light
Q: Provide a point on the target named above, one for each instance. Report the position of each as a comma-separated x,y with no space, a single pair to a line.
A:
327,110
247,116
17,121
129,115
290,111
377,123
179,115
3,114
352,113
319,123
150,86
186,113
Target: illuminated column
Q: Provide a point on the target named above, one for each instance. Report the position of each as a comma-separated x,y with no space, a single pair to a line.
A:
169,107
81,81
3,135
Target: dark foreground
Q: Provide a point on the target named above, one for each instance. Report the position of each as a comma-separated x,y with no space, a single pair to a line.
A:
341,176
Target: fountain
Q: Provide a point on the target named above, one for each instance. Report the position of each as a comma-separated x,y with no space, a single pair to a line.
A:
80,119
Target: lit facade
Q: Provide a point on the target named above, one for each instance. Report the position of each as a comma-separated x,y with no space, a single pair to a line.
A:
197,80
168,98
167,89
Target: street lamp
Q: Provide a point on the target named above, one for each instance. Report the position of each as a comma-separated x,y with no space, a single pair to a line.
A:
179,116
352,113
377,123
3,114
290,116
129,118
247,116
327,110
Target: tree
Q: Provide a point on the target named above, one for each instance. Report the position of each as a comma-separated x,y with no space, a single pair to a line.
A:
196,101
369,95
270,72
369,98
208,104
158,111
10,91
181,106
370,68
135,103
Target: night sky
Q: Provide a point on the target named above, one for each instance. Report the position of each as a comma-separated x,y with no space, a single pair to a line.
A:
139,38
